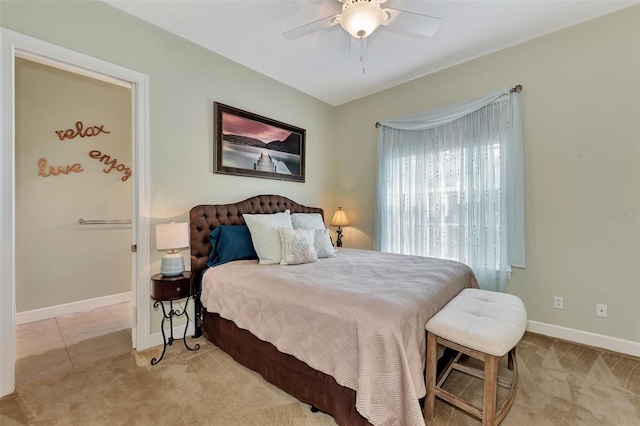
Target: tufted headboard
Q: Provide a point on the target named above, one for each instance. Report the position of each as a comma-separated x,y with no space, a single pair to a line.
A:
204,218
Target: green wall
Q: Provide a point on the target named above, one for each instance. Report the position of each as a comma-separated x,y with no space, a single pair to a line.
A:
581,107
581,103
184,81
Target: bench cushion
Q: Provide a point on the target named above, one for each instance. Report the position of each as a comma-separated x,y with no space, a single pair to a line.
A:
488,322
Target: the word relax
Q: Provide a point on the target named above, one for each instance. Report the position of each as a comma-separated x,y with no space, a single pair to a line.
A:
113,164
79,131
55,171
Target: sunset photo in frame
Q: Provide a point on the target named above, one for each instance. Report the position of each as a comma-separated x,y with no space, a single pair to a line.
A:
251,145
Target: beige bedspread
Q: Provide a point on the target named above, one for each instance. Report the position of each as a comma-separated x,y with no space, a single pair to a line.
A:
358,317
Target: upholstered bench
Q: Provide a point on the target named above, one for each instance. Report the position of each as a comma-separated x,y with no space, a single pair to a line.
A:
483,325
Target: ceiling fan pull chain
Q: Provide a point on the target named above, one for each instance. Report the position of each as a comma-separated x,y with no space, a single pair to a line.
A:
361,34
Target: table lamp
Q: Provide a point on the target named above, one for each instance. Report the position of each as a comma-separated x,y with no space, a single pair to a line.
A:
339,219
172,236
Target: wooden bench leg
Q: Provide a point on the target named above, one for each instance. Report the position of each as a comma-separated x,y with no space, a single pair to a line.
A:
432,358
506,405
511,356
490,390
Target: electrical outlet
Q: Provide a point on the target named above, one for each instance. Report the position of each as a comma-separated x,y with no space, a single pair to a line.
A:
601,310
558,302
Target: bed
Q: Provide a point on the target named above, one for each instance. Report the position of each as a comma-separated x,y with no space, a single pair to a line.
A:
334,326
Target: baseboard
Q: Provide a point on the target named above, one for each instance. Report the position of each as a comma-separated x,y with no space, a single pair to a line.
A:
71,308
627,347
178,331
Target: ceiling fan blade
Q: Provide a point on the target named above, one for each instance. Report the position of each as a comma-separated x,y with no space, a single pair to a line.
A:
357,49
410,22
312,27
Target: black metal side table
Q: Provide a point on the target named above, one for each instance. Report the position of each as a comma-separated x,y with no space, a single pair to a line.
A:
168,289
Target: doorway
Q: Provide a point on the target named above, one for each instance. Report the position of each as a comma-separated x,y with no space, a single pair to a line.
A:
72,161
14,44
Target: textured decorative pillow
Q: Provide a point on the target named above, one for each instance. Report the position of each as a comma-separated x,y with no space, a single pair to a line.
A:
264,234
230,243
307,221
323,244
297,246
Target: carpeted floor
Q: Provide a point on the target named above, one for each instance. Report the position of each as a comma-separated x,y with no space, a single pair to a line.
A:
560,384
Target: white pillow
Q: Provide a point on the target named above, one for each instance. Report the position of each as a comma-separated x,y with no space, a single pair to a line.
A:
297,246
322,243
264,234
307,221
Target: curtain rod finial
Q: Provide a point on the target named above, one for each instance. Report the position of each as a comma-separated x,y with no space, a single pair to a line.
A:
377,124
517,89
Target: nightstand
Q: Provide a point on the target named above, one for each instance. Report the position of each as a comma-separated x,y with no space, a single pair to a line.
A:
168,289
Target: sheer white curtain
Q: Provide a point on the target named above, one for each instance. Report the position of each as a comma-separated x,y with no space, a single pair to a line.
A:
450,185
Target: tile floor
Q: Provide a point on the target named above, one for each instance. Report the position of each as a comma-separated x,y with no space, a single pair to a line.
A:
50,346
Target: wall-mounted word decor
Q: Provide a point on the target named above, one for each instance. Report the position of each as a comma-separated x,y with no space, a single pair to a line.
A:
113,164
80,131
55,171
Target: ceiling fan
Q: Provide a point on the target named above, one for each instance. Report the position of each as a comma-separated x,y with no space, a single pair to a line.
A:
360,18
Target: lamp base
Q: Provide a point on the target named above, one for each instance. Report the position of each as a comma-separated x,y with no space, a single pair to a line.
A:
339,239
172,264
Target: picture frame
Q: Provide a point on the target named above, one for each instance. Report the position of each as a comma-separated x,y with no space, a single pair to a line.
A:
242,146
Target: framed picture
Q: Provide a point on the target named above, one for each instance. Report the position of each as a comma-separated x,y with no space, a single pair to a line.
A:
251,145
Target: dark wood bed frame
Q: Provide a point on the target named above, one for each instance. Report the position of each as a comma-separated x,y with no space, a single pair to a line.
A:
295,377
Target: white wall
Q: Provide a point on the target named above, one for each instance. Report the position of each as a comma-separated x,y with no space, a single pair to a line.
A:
581,104
58,260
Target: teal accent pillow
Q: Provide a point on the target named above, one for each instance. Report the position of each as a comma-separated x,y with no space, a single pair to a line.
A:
230,243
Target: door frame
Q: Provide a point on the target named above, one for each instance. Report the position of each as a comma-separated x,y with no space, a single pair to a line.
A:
12,43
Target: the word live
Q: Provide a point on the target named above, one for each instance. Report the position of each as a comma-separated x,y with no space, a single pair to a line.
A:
55,171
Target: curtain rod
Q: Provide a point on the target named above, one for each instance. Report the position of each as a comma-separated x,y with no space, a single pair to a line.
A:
517,89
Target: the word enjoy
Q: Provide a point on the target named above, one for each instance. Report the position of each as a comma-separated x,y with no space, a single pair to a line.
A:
80,131
55,171
113,164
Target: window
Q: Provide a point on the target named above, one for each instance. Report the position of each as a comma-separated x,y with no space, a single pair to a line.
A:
442,191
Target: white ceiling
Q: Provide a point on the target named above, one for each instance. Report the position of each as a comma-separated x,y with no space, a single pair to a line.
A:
250,33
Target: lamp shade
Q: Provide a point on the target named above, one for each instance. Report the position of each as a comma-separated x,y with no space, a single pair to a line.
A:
340,218
172,236
362,18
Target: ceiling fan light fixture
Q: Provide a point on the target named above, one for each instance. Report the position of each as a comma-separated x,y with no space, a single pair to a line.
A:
361,18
